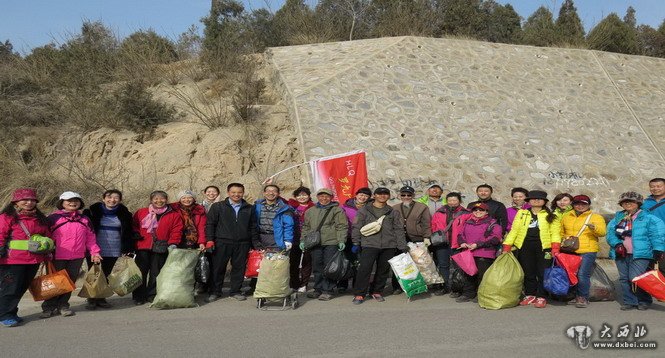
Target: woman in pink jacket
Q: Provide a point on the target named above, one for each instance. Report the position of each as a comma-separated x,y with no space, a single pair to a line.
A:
18,266
73,235
447,221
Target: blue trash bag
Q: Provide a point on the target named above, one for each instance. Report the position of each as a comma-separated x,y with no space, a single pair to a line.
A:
556,279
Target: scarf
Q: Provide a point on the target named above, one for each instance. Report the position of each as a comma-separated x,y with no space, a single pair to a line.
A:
150,221
189,232
32,212
624,228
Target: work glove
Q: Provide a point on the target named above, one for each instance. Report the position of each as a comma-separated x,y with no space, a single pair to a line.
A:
302,246
620,251
506,248
288,246
355,249
341,246
556,248
171,247
427,242
658,255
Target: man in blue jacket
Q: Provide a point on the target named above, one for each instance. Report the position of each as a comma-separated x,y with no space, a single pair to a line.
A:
275,221
655,203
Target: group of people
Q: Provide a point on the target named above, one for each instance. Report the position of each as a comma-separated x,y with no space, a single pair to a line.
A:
365,228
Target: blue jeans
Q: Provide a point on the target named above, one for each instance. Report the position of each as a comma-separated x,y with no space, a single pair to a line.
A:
443,253
584,274
630,268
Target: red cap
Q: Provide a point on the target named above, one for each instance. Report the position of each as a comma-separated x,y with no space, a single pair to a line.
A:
480,206
23,194
582,199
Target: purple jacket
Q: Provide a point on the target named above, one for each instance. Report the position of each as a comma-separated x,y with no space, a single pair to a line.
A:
350,211
512,212
478,231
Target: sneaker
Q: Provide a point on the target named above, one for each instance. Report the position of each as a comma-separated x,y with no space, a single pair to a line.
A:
18,319
642,307
248,293
540,302
462,298
325,297
397,291
9,322
91,305
581,302
378,297
212,298
239,297
102,303
66,312
313,294
302,289
527,300
139,302
628,307
455,294
442,292
573,301
47,314
358,300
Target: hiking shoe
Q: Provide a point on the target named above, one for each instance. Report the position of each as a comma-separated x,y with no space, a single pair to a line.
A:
628,307
378,297
397,291
358,300
313,294
48,313
66,312
455,294
18,319
239,297
91,305
102,303
573,301
442,292
325,297
581,302
302,289
642,307
527,300
139,302
9,322
540,302
462,298
212,298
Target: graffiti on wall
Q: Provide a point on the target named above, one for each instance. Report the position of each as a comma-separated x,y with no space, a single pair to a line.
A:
571,179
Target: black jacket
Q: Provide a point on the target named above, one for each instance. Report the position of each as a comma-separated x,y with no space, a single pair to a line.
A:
223,225
497,211
95,214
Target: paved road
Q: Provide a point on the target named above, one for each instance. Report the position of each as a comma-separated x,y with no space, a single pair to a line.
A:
228,328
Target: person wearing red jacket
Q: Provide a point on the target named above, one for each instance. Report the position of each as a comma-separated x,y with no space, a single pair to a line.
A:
18,266
194,219
158,227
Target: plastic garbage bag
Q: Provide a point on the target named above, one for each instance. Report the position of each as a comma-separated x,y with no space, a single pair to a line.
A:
652,282
410,279
571,263
338,267
555,280
425,263
253,263
502,283
175,282
602,288
202,271
466,262
95,285
125,276
457,278
273,280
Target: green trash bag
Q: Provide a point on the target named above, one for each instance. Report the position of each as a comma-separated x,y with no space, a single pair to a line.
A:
410,279
175,282
502,283
273,280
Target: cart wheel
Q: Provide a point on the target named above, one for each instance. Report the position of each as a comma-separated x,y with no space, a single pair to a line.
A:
294,303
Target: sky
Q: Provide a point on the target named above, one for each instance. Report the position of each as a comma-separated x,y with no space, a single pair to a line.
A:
32,23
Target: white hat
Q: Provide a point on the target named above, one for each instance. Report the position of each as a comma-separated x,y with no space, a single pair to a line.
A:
68,195
186,193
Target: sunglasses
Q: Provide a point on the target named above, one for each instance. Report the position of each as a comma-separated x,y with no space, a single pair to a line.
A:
406,195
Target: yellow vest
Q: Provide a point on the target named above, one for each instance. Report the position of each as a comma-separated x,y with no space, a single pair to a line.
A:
571,224
549,232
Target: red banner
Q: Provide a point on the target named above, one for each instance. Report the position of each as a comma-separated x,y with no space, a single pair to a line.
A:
343,174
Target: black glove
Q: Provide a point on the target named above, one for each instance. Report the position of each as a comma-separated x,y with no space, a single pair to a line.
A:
658,255
3,251
620,251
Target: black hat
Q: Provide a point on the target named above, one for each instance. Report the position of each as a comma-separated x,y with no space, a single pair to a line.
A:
407,189
537,194
364,190
382,190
